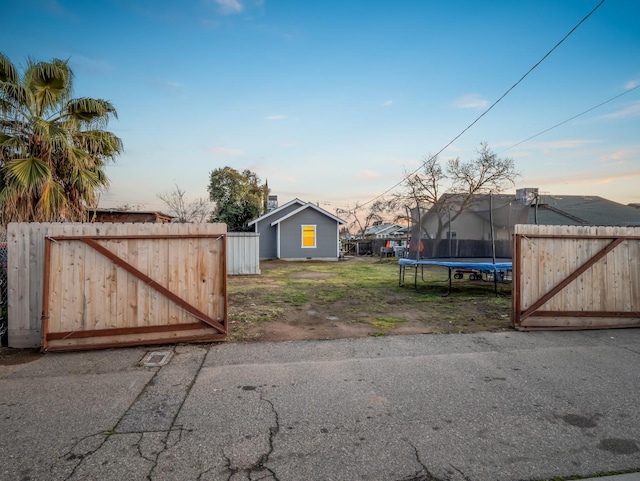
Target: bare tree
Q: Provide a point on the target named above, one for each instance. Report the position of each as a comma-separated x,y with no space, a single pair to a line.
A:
359,220
196,211
461,180
130,207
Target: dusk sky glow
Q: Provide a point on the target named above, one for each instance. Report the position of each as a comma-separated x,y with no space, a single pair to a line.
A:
333,101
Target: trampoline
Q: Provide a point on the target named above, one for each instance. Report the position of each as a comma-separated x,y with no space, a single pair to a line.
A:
476,268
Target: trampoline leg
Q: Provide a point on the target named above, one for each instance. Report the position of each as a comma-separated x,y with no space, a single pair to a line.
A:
449,291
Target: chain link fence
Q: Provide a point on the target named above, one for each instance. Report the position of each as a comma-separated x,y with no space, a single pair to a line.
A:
3,286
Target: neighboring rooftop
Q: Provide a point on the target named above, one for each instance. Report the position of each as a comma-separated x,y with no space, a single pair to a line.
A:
115,215
383,229
582,210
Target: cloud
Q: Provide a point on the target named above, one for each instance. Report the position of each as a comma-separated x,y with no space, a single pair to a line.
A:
166,85
472,101
224,151
367,174
275,117
90,66
617,158
631,84
579,178
229,7
632,110
388,103
54,7
210,24
565,144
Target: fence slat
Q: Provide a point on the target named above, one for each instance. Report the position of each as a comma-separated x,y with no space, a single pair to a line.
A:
87,292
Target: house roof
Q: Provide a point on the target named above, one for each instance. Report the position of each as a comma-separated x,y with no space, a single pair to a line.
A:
275,211
583,210
562,209
380,228
308,205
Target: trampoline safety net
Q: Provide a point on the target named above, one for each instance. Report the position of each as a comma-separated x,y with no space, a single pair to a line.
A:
463,226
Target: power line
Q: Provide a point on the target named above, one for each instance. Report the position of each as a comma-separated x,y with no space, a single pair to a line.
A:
490,107
571,118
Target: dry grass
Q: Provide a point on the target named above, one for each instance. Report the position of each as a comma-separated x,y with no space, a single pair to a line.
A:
358,297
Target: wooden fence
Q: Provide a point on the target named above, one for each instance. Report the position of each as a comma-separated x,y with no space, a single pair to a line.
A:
80,286
576,277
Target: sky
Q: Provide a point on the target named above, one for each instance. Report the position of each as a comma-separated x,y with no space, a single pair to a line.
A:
333,102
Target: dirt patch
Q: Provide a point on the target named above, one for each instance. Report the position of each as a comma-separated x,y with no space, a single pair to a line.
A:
311,275
356,298
11,357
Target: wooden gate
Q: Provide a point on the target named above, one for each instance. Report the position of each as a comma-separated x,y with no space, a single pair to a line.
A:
133,284
576,277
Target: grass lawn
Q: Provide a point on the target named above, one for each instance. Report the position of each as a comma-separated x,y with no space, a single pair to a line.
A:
358,297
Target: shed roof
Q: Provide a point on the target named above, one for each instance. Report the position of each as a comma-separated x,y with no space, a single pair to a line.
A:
102,210
308,205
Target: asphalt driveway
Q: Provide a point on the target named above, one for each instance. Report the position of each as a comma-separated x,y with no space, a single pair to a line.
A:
494,406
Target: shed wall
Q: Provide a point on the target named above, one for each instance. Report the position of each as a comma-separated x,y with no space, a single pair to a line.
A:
326,236
269,234
243,253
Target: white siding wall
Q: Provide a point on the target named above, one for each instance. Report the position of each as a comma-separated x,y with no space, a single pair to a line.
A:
243,253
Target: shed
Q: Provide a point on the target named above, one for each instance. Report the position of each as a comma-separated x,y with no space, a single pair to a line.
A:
299,231
127,216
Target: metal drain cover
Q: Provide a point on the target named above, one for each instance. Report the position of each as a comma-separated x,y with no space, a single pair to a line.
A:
156,358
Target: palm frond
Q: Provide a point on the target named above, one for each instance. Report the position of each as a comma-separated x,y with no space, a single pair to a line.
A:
87,181
49,82
8,72
28,174
52,203
99,143
14,96
90,110
53,149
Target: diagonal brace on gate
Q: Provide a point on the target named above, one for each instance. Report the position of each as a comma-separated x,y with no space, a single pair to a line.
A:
201,316
568,280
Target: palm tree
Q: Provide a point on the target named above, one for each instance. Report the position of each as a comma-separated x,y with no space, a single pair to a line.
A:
53,149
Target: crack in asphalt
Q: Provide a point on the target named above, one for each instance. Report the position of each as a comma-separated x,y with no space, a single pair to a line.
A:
165,442
273,431
71,456
464,476
261,464
232,470
106,434
422,474
139,448
628,348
